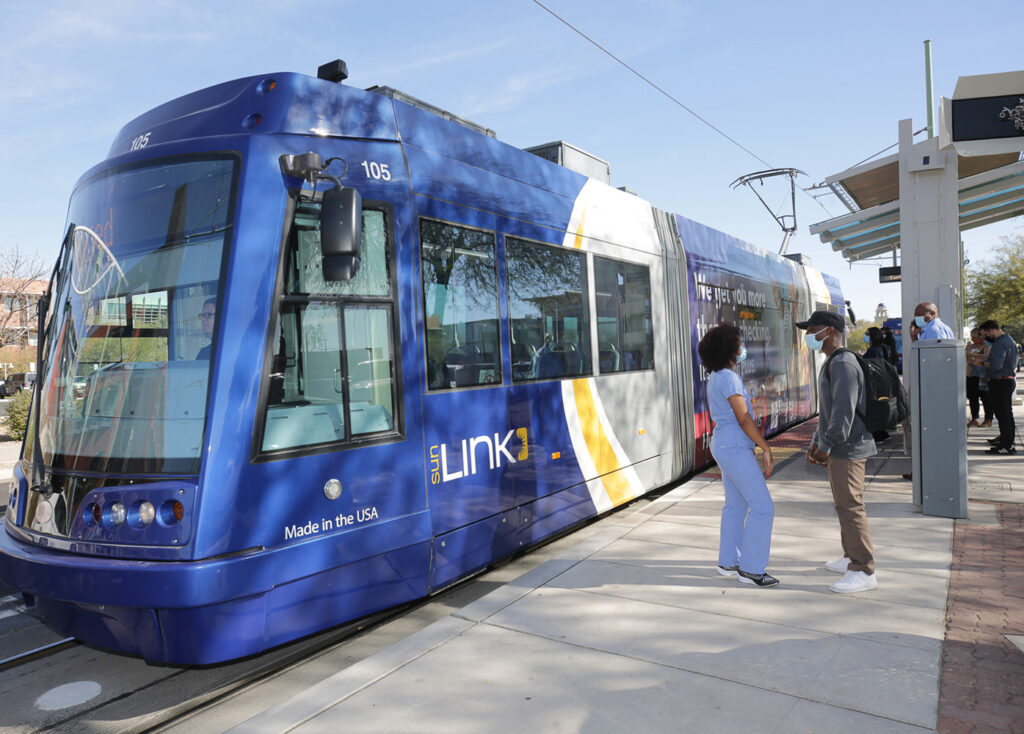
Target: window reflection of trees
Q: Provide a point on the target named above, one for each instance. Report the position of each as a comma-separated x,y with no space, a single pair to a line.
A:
460,290
548,311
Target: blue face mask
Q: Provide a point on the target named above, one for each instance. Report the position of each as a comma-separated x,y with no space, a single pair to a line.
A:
742,355
989,342
920,322
867,339
813,342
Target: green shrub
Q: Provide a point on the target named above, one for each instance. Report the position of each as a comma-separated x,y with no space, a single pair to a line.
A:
17,414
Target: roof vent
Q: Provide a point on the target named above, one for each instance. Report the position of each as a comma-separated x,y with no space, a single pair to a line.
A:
333,71
576,159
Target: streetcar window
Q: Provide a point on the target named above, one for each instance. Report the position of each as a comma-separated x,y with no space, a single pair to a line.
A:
123,387
306,401
548,305
305,272
370,370
625,330
460,301
331,364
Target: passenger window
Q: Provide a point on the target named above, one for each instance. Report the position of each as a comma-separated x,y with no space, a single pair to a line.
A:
625,331
460,302
548,306
332,373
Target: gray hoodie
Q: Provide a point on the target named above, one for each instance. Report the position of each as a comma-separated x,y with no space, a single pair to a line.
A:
841,432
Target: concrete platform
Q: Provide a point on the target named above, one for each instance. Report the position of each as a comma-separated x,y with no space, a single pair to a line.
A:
628,627
633,630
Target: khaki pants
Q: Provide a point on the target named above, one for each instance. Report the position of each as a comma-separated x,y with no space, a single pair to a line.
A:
847,479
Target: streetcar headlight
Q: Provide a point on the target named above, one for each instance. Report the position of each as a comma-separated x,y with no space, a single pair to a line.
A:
146,513
142,514
93,515
118,514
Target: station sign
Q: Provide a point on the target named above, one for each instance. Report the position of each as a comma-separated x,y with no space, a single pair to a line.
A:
890,275
988,118
985,115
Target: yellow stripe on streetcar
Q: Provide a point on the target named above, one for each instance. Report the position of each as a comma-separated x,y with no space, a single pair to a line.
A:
578,243
598,445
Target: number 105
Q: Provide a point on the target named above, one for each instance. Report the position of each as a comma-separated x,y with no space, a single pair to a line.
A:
376,171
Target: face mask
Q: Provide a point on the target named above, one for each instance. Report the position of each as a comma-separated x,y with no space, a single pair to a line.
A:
867,339
742,355
976,339
989,342
813,342
920,322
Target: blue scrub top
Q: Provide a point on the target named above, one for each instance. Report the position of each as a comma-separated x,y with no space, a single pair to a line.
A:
721,386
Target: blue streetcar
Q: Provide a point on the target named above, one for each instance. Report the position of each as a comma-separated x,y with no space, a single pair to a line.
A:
313,351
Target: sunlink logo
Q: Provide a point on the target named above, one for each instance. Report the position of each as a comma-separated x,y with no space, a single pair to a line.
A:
497,450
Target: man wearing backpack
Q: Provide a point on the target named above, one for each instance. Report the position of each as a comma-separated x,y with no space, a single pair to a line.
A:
843,444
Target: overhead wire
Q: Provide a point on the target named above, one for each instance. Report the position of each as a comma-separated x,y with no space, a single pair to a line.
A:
725,135
648,81
884,150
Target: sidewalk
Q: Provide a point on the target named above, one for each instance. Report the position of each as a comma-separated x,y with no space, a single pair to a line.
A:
633,630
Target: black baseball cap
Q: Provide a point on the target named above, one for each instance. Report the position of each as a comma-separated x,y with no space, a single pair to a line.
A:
824,318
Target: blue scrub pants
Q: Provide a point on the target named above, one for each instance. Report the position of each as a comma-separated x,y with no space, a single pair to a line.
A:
748,513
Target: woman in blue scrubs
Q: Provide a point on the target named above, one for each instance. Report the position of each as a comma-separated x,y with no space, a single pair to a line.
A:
746,532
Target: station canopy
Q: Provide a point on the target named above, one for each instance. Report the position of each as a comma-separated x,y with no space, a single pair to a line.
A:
991,189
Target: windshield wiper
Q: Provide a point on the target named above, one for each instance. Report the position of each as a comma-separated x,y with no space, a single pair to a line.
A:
35,483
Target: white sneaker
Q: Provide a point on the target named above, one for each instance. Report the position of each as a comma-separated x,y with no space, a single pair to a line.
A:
855,581
839,565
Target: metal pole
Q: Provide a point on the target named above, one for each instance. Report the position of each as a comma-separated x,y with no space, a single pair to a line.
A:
929,94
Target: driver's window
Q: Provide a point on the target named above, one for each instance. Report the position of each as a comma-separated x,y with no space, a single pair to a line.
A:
460,302
333,373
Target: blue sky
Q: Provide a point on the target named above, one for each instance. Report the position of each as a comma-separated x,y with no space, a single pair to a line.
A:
813,85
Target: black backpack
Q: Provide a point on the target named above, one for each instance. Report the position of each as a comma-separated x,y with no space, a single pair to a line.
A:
886,397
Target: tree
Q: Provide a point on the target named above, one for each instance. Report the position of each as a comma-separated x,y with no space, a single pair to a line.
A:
16,418
995,289
20,287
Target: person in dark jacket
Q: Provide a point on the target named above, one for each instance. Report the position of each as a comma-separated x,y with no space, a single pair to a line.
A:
842,444
889,339
1001,371
877,346
878,349
206,317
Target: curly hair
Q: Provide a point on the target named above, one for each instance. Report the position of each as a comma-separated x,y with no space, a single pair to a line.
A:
719,346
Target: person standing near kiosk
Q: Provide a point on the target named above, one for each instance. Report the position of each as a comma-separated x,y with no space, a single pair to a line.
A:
1001,369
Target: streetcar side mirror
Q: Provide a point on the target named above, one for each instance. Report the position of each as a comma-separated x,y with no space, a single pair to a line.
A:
341,233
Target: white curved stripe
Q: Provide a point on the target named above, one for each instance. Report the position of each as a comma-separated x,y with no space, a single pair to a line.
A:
598,494
624,461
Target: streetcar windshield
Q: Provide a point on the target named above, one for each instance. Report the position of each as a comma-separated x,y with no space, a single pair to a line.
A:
132,320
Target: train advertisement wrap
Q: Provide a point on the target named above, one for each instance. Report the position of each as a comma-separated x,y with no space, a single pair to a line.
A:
764,295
